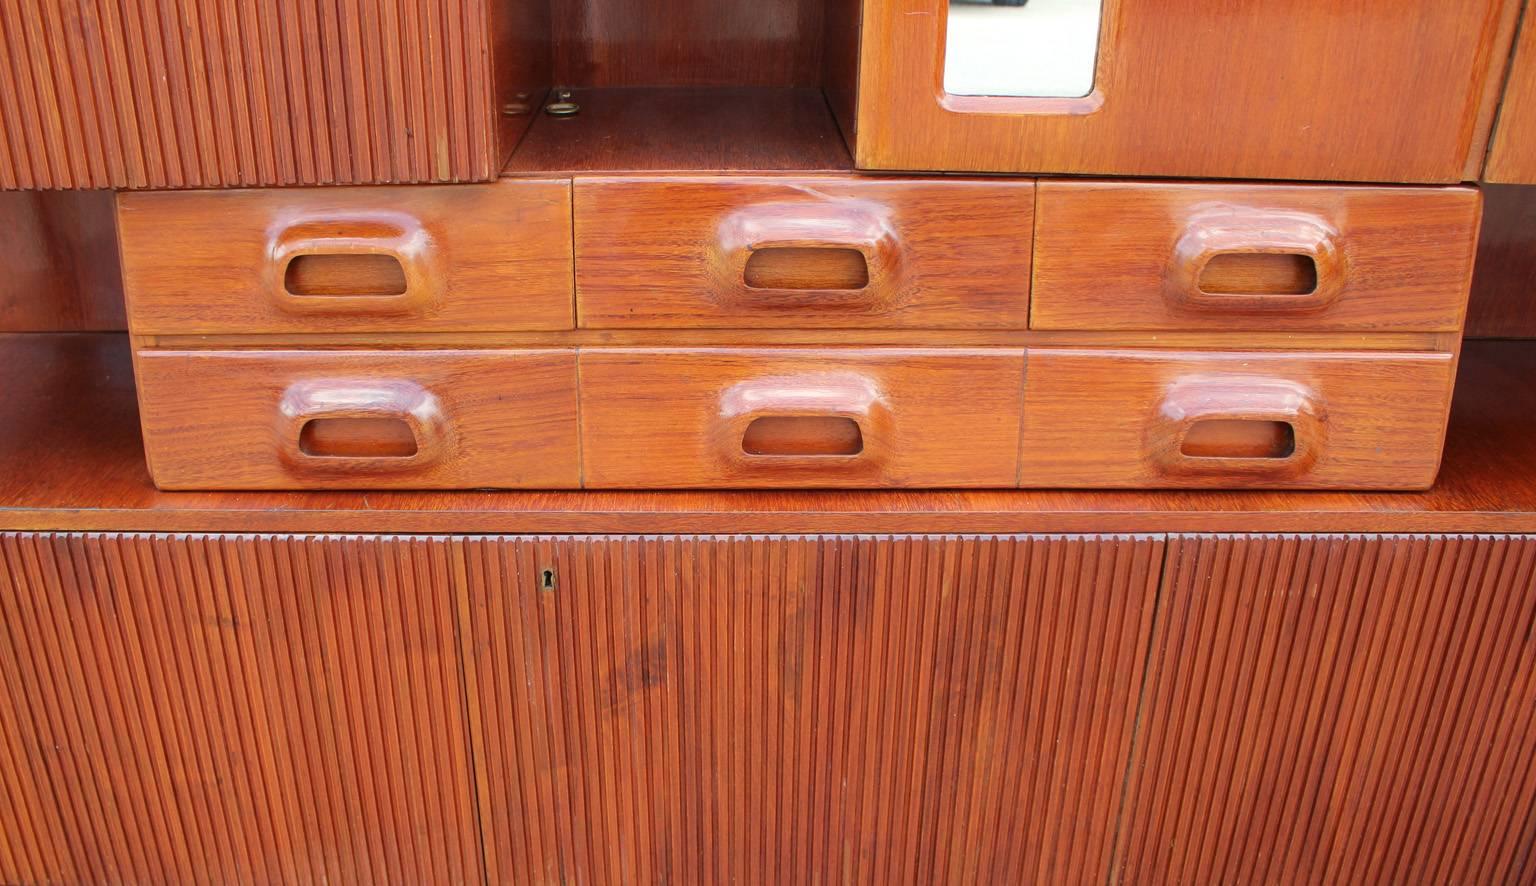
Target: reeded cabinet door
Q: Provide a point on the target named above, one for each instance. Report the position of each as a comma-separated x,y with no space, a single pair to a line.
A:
1368,90
231,709
1337,709
805,710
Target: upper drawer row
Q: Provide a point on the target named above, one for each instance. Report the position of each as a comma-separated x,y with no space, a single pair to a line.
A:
766,252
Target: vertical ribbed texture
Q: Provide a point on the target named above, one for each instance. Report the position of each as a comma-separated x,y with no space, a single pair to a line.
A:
180,709
209,93
1338,710
801,710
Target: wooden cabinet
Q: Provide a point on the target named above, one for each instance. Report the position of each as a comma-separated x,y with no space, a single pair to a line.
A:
1512,154
211,93
790,709
1373,90
232,709
1328,709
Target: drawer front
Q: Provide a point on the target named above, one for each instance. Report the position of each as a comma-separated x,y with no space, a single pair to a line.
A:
800,417
784,252
493,257
1127,255
1159,419
359,419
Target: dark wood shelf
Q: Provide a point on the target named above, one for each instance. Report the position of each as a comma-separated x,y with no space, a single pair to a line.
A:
685,129
71,459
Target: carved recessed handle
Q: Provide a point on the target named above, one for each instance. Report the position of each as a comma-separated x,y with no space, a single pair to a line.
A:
1247,244
1236,427
819,422
824,234
360,403
349,246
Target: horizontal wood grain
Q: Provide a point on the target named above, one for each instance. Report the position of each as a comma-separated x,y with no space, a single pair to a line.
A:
676,251
669,419
1118,418
1326,709
1383,90
211,93
72,456
804,710
1131,255
232,709
238,420
680,129
59,267
478,257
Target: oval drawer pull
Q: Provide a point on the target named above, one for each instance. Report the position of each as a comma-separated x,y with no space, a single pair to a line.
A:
375,263
1237,426
819,421
1236,260
361,426
837,253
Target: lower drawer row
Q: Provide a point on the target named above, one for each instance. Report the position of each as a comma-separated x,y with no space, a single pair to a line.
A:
792,417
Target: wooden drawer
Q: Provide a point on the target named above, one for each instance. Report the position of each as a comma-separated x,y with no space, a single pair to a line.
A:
1130,255
800,417
1143,418
337,260
785,252
359,419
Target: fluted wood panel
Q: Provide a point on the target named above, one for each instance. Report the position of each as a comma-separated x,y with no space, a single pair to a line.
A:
1344,710
231,710
801,710
205,93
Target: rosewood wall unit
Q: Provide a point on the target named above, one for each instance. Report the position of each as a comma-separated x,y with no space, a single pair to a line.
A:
768,464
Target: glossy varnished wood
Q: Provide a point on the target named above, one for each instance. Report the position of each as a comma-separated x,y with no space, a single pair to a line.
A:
58,266
1503,303
687,43
208,93
1107,418
1382,90
673,251
1130,255
73,457
232,709
236,419
1325,709
686,129
479,257
803,710
1512,152
677,418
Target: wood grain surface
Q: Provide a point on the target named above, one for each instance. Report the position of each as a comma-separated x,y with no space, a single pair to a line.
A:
804,710
1512,152
1377,90
680,129
236,419
1503,302
676,418
232,709
1337,710
673,251
606,43
59,267
210,93
482,257
1116,418
1129,255
73,458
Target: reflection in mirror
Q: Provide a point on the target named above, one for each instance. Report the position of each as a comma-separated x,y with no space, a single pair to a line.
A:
1036,48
